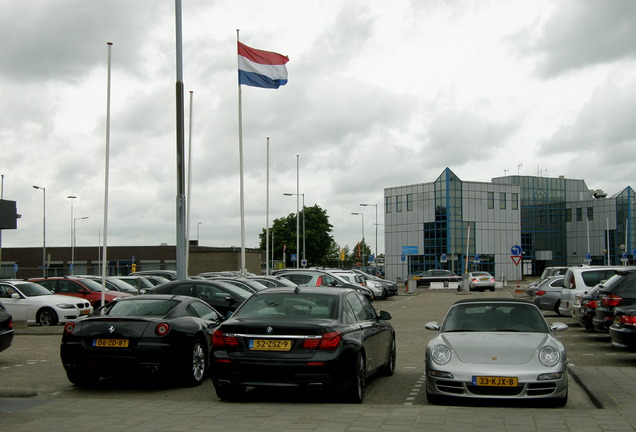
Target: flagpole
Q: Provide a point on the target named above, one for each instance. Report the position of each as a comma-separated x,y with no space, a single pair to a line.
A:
188,194
106,175
180,204
243,270
267,216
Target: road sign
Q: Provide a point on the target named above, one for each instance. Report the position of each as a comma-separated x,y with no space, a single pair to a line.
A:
443,258
371,258
516,250
516,259
294,257
409,250
477,259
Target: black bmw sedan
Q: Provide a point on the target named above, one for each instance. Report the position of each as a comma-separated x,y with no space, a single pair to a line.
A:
151,334
304,337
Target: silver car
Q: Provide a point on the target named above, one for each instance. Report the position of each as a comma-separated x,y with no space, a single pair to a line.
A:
547,295
496,348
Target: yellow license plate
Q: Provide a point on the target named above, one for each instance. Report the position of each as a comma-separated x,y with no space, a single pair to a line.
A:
495,381
110,343
85,312
270,345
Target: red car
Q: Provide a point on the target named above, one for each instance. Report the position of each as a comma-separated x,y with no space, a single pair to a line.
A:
79,287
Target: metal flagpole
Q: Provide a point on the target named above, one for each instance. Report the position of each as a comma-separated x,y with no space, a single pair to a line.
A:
106,175
267,216
243,270
187,231
181,237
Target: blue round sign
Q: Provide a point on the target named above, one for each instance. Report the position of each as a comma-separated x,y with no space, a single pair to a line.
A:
516,250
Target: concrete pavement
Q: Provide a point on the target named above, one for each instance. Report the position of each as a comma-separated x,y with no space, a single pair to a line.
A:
611,389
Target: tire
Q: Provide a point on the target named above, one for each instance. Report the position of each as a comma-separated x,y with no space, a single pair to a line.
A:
389,368
385,294
492,289
559,402
196,365
355,392
82,378
434,399
47,317
556,307
231,393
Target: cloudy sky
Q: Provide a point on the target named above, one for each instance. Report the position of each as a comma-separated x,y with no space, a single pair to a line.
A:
378,96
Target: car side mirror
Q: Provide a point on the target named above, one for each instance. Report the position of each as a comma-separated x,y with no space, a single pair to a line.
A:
558,326
229,299
16,296
433,325
385,315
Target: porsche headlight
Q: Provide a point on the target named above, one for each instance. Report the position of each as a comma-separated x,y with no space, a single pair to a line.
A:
441,354
549,356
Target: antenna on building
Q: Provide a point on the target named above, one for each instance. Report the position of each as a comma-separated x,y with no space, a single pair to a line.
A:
519,165
505,172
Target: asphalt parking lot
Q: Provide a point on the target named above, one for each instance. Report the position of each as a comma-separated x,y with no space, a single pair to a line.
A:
43,399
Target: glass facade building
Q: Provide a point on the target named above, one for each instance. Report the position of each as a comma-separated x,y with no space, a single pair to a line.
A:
464,226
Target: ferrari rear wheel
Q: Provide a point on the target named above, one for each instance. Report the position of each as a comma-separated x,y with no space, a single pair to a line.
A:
197,365
82,378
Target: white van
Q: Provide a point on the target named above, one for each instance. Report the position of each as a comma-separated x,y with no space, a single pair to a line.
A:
577,280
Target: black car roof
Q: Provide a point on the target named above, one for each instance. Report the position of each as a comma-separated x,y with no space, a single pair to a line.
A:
494,300
312,290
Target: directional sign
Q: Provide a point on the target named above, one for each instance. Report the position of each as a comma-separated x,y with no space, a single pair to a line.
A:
409,250
516,250
443,258
477,259
294,257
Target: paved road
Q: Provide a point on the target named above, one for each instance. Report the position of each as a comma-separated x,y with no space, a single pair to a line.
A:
393,403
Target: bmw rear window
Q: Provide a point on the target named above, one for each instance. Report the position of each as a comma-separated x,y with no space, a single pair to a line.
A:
289,305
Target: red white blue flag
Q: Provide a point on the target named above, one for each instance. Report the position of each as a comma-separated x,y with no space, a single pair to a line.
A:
258,68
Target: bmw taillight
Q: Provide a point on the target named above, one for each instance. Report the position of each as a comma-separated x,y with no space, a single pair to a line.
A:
539,292
628,320
328,341
591,304
69,327
162,329
611,300
219,340
319,281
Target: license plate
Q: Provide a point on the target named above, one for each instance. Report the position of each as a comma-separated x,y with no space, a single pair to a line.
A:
270,345
85,312
110,343
490,381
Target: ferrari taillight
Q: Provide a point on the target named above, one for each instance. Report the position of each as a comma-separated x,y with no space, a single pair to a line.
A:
69,327
162,329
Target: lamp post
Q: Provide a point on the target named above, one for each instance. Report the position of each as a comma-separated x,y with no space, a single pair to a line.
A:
72,198
362,247
375,261
43,189
198,225
73,243
302,195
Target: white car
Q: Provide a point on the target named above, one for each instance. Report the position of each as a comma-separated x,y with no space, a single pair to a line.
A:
30,302
577,280
354,278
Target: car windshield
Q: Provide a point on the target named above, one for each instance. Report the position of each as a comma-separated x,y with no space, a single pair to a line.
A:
91,284
494,317
141,307
289,305
30,289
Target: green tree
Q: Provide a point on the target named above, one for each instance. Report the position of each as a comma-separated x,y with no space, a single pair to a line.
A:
318,239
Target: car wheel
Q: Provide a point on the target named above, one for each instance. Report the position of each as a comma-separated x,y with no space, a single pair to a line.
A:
560,402
556,307
82,378
389,367
434,399
357,388
229,393
385,294
196,365
492,289
47,317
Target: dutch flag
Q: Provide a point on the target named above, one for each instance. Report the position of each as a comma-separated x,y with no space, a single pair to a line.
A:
258,68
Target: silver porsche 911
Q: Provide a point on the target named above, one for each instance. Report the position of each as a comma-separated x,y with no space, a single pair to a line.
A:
496,348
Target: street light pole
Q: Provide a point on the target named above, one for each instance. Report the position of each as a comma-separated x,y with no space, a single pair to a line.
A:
303,195
198,225
362,247
73,243
72,198
43,189
375,261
